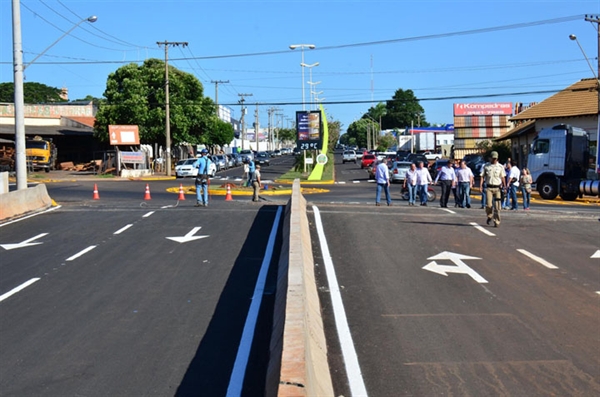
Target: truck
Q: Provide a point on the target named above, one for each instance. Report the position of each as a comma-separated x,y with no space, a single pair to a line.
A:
558,160
40,154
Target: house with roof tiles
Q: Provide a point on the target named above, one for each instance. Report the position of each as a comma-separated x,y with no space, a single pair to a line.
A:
576,105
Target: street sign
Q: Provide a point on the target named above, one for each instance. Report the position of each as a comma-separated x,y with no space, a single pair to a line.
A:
322,159
459,266
123,134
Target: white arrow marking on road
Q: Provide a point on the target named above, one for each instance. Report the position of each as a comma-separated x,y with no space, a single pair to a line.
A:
596,255
25,243
188,237
460,267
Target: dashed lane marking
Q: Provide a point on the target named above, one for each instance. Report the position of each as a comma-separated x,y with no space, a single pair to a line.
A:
82,252
17,289
536,258
481,229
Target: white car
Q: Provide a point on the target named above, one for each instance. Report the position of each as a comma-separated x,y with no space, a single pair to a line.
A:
188,168
432,155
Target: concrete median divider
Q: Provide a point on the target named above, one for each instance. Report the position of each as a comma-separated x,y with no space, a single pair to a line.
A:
298,353
25,201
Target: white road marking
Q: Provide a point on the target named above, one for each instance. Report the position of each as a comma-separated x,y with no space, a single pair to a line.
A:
598,292
29,216
450,211
189,236
481,229
596,255
85,251
341,182
25,243
536,258
236,382
148,214
460,267
355,181
121,230
355,379
17,289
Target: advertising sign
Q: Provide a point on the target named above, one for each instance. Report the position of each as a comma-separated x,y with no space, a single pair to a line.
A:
483,109
123,135
309,130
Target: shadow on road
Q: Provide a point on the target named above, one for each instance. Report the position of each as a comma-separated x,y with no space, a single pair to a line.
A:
209,372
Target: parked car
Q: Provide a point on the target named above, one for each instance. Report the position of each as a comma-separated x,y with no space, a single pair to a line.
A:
296,151
398,171
262,158
432,155
276,153
401,155
416,157
221,161
367,160
349,156
247,153
360,153
189,168
237,159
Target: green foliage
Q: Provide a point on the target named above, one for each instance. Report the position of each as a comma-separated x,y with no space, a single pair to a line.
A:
33,93
287,135
135,95
488,146
357,131
334,128
386,142
403,109
220,133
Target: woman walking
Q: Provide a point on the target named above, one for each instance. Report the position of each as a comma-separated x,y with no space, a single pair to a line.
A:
526,182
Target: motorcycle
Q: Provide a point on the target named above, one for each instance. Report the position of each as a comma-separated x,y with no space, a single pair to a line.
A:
431,195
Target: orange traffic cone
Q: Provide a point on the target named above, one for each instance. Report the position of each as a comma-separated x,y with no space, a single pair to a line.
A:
181,195
228,196
96,195
147,195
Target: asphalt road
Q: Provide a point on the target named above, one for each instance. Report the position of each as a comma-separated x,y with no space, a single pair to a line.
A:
142,314
498,322
117,307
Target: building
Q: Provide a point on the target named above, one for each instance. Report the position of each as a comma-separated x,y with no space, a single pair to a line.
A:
576,105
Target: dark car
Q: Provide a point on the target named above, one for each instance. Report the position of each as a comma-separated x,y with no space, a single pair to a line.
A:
416,157
401,155
262,158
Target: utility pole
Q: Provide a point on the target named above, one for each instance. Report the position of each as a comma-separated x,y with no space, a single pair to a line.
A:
216,83
256,126
241,102
596,19
167,112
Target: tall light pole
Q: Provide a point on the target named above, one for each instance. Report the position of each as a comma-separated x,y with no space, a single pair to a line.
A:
302,47
310,81
18,67
574,38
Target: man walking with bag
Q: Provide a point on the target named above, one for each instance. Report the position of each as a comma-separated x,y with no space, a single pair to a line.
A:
203,164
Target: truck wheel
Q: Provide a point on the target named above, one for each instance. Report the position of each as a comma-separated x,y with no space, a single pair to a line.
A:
548,189
47,169
568,196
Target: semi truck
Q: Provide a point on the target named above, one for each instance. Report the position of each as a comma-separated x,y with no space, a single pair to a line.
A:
559,161
41,154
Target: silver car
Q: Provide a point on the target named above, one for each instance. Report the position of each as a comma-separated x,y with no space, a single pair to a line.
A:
398,171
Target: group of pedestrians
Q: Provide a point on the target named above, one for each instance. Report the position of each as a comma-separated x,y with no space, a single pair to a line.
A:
498,184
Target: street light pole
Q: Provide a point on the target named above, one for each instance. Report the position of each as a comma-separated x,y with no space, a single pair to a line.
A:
310,82
18,67
302,47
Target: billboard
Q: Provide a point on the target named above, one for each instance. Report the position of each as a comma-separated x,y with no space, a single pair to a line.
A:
309,130
483,109
123,135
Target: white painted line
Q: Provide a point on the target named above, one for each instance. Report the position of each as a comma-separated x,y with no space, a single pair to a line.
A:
148,214
355,181
598,292
342,182
17,289
236,382
88,249
121,230
481,229
450,211
371,181
536,258
355,379
29,216
595,255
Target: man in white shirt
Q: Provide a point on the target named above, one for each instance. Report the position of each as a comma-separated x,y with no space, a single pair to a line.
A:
423,180
514,175
465,183
447,179
382,177
410,182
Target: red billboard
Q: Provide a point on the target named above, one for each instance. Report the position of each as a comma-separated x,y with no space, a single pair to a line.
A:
483,109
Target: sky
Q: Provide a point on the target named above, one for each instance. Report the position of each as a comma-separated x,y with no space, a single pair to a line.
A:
445,51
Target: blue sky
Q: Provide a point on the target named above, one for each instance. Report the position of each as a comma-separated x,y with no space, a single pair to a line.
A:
418,48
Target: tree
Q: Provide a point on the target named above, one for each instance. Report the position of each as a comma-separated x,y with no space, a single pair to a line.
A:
220,133
403,109
135,95
358,130
32,93
386,142
334,127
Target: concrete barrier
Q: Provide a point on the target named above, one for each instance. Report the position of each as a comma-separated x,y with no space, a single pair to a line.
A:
22,202
298,353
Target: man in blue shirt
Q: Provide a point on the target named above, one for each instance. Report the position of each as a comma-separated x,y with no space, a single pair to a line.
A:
382,177
203,165
251,169
446,178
